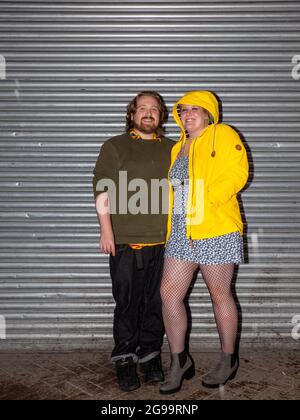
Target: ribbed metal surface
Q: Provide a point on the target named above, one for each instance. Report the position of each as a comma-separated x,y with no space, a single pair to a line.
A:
72,67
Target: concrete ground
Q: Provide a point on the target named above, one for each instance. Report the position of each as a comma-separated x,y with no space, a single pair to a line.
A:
263,375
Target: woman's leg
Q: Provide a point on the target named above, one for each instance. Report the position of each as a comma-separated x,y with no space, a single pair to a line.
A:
176,280
177,277
218,279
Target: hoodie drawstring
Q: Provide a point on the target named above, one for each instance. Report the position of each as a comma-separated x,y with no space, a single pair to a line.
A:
213,153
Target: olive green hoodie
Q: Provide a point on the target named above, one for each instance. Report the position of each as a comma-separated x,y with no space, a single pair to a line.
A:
135,159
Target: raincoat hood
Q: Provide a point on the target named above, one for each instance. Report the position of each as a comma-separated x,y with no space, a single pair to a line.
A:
205,99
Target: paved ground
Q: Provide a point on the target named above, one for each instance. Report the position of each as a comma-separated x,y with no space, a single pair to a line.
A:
272,375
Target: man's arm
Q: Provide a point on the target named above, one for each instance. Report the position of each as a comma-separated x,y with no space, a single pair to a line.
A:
106,167
107,240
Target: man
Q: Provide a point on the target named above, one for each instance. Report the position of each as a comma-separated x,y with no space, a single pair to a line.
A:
133,231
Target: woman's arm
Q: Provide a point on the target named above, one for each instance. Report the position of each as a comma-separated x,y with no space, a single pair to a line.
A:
235,169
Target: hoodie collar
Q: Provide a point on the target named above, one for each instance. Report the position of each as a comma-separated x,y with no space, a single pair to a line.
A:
134,135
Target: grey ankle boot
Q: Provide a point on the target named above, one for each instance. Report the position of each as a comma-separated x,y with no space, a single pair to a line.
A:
224,371
177,374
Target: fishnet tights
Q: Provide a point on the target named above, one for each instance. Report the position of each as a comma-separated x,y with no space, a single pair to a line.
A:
176,280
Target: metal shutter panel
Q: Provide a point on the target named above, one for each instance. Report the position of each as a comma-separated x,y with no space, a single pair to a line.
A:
71,68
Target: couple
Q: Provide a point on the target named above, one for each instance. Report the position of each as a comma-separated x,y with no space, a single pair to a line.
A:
153,257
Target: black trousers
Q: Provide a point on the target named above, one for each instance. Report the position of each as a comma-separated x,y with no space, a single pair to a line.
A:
138,325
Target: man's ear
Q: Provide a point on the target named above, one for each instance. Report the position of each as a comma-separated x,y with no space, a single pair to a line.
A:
131,117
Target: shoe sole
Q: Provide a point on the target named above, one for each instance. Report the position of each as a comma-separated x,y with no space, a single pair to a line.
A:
133,388
213,386
156,379
189,374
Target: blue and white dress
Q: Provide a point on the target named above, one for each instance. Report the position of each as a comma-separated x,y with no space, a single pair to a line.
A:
223,249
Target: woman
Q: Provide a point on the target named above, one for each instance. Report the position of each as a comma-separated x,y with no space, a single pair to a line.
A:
208,168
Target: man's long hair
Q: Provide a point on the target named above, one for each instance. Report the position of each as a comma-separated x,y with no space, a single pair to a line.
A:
163,110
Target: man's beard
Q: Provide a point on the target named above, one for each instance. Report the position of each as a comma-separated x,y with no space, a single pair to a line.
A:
146,128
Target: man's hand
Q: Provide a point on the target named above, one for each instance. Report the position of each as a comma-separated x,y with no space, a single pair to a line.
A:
107,243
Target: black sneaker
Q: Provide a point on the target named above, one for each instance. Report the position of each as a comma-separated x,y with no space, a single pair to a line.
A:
152,370
126,374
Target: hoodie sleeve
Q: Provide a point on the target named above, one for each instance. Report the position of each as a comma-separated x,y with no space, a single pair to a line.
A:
105,168
234,167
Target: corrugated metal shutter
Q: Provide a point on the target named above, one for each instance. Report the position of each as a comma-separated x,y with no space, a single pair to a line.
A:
71,69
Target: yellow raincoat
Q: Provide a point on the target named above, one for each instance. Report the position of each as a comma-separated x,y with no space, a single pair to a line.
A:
218,170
